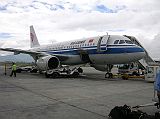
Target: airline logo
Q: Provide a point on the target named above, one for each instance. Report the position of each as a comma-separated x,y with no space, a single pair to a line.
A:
32,36
77,42
90,40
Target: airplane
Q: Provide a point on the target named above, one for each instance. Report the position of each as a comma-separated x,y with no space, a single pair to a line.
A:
100,52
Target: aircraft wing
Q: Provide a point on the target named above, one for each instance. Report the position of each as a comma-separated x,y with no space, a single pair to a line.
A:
17,51
34,53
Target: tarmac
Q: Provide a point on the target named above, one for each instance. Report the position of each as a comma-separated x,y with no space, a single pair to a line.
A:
91,96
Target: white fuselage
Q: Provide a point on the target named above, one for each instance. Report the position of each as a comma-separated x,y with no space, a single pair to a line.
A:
107,49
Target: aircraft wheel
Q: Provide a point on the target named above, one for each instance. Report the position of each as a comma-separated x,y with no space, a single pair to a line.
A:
108,75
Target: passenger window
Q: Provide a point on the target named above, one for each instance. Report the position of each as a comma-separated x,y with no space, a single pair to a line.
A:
121,42
128,42
116,42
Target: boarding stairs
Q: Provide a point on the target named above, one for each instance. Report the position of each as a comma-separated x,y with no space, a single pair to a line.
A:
147,60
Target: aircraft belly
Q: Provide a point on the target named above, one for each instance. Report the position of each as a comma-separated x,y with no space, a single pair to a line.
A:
115,58
73,60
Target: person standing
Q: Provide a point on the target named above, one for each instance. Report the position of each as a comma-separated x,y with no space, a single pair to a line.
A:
157,84
13,69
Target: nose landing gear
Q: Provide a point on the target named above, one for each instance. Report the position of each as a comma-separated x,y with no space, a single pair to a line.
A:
109,68
108,75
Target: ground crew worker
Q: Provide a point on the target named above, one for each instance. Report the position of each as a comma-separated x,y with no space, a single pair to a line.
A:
13,69
157,84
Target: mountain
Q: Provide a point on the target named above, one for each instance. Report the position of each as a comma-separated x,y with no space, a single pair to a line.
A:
17,58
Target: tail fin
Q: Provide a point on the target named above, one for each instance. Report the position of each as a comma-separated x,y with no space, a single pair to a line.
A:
33,38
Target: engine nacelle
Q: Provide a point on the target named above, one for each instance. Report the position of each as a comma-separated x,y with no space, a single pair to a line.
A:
48,63
102,67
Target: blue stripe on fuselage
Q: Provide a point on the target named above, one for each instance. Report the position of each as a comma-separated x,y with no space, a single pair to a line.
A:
93,50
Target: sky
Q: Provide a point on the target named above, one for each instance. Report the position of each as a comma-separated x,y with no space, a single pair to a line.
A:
63,20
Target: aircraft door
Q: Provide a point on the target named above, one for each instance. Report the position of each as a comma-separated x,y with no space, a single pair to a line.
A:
102,43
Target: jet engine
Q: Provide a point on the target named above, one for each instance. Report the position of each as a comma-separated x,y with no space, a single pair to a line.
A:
48,63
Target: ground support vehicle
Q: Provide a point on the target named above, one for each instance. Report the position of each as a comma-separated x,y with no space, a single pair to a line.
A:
64,71
131,70
150,74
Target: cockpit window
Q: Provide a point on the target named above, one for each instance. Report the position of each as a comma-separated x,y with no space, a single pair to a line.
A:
116,41
121,42
128,42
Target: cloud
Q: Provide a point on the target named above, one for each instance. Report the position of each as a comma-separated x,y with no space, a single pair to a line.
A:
154,47
5,35
2,8
56,20
105,9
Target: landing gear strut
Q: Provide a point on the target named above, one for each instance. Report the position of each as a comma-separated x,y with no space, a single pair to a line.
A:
109,74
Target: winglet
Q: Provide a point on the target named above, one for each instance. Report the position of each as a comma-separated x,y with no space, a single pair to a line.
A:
33,38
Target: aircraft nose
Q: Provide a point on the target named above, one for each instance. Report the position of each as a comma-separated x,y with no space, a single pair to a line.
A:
137,54
141,51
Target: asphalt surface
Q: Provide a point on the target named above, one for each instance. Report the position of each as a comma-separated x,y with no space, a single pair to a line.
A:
32,96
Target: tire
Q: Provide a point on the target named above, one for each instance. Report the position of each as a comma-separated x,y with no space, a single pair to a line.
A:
108,75
75,74
19,70
55,74
111,75
80,70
